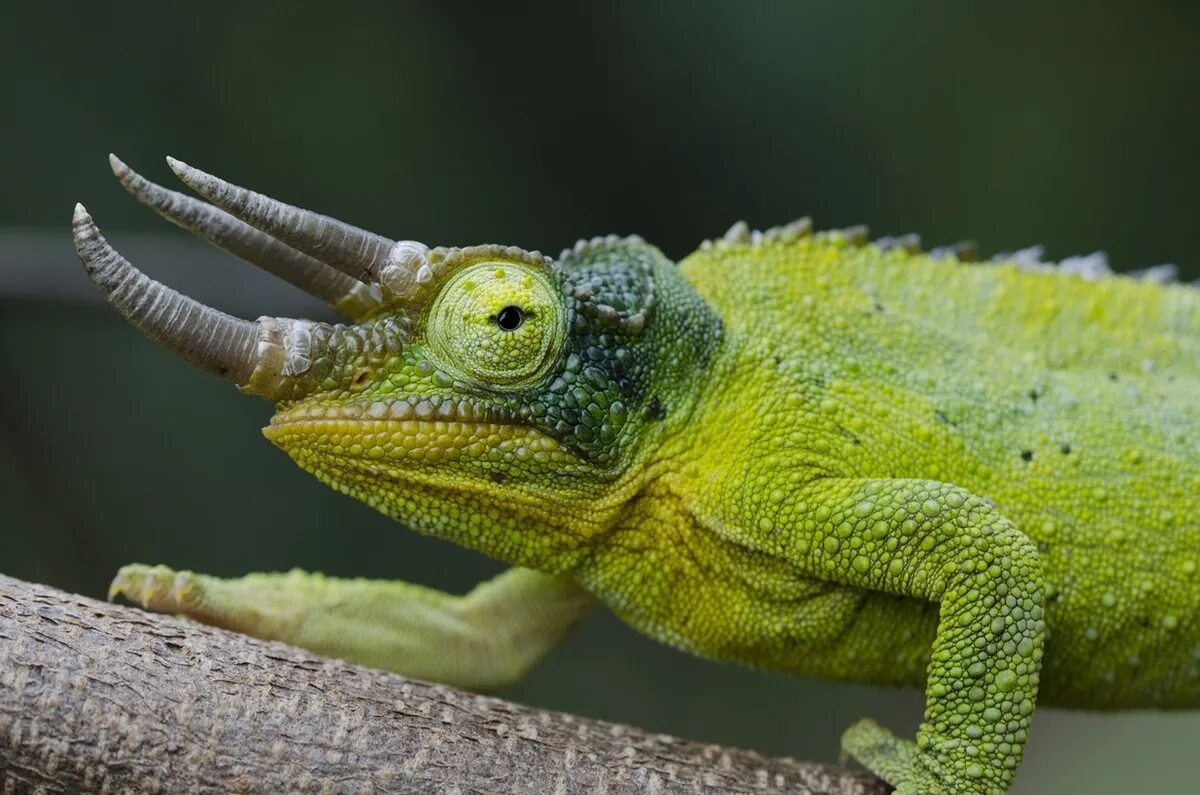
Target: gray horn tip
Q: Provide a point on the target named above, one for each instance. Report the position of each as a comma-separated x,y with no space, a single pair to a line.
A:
117,165
132,181
191,176
87,239
178,166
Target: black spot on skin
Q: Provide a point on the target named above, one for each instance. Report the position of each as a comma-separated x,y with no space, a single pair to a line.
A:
1026,455
1033,395
655,410
1065,448
497,477
1113,377
942,418
1054,598
778,360
879,307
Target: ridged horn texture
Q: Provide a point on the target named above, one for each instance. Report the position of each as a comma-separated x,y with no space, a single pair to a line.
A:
353,251
342,292
209,339
267,357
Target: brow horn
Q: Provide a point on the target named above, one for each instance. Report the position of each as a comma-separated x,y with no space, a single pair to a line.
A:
218,227
354,251
265,357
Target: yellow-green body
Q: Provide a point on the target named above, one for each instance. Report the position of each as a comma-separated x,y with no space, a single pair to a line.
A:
799,452
1073,405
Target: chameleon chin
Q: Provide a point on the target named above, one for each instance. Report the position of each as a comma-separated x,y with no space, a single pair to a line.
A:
799,451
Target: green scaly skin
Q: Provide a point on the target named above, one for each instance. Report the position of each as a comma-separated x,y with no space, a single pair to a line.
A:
791,451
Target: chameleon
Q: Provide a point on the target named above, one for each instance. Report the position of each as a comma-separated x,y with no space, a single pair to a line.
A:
796,450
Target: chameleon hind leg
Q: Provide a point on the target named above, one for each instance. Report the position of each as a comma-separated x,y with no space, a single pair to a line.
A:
482,640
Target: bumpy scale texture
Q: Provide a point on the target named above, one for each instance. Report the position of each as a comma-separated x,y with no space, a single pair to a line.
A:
799,452
915,469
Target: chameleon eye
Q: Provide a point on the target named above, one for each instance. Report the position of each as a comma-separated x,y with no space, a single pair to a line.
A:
497,324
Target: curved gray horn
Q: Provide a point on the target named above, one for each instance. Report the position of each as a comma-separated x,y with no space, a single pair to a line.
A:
343,293
268,357
356,252
211,340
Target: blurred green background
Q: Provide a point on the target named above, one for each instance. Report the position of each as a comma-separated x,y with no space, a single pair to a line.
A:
1073,125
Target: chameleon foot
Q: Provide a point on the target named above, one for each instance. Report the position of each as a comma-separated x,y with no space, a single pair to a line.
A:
896,761
196,596
158,588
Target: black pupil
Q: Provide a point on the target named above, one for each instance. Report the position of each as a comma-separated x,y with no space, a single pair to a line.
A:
510,318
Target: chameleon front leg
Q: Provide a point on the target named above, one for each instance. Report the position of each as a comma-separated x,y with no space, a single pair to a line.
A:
936,542
483,640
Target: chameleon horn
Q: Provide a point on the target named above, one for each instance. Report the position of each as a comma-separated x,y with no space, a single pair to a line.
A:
343,293
266,357
356,252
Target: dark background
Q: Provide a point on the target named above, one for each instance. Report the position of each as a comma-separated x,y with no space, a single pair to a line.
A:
1009,123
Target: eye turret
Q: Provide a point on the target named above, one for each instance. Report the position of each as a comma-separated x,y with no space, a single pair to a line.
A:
497,324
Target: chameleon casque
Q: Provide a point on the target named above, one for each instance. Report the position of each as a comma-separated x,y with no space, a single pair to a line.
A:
798,451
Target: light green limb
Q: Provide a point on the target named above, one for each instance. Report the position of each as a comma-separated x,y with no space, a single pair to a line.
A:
483,640
936,542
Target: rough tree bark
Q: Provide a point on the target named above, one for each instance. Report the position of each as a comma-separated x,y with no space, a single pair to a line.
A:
101,698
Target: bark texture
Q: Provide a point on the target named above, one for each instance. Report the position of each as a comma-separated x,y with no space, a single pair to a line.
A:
101,698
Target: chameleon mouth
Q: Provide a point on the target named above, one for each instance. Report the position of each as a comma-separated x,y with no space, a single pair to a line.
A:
435,408
409,432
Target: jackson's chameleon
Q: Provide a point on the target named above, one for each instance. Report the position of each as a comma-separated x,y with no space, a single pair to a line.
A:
799,451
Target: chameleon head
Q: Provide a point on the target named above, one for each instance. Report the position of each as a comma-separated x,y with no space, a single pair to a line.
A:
489,395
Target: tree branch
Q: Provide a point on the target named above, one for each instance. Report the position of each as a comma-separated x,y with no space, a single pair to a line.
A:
101,698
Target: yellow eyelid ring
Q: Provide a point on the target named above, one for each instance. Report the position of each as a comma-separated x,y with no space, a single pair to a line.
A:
497,324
